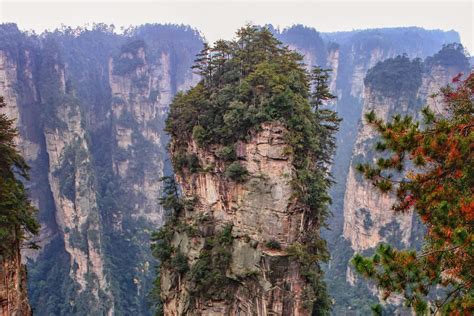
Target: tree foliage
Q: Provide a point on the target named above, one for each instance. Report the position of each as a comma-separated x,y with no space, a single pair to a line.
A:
431,170
17,215
451,55
395,76
236,172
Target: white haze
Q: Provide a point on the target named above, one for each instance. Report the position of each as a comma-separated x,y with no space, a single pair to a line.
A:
220,19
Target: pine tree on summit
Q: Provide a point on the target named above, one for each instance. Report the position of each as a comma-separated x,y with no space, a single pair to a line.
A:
203,63
220,54
321,93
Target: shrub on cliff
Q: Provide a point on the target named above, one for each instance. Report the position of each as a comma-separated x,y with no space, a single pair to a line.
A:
273,244
199,134
236,172
226,153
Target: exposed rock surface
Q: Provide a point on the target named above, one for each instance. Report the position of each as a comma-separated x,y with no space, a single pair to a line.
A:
13,289
266,281
145,106
77,211
368,216
367,211
351,55
94,141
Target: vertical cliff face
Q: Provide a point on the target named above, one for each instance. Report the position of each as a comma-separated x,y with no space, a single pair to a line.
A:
93,137
260,210
243,235
72,183
52,147
139,104
140,100
367,215
13,287
333,60
8,77
350,55
366,220
365,209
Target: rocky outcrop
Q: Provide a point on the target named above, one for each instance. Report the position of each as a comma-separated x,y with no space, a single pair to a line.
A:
264,280
139,106
333,60
353,54
350,55
77,211
75,201
258,208
8,79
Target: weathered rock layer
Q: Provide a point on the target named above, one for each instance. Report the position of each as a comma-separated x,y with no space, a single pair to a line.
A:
265,280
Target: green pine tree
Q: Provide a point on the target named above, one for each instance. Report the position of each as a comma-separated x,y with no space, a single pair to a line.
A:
17,215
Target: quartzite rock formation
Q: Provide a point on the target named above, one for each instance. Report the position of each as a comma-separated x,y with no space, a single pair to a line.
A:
265,281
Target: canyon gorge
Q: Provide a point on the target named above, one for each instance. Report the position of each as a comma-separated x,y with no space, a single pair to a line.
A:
90,107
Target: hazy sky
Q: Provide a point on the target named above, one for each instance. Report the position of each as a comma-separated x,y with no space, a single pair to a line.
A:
219,19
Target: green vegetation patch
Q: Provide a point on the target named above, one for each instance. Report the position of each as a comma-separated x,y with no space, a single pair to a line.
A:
125,64
395,76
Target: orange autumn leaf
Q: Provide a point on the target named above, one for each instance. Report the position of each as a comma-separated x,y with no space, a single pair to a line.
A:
458,174
468,210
